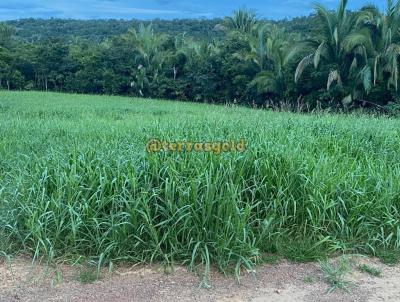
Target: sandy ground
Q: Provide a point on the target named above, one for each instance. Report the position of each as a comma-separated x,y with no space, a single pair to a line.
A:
22,281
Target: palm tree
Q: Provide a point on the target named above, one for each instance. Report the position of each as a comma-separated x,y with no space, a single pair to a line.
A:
243,20
342,49
384,31
141,81
258,53
149,58
271,52
147,45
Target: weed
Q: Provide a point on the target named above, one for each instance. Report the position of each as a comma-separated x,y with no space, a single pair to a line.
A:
335,274
373,271
309,279
87,275
389,257
270,259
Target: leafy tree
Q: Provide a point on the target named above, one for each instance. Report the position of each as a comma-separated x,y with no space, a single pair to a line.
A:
9,76
52,64
6,33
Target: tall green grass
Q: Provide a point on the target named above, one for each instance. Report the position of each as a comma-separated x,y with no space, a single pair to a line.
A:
75,180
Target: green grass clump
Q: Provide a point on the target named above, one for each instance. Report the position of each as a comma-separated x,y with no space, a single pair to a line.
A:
335,274
373,271
309,279
76,181
87,275
388,256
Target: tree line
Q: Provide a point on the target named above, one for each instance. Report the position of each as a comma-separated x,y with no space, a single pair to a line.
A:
336,59
99,30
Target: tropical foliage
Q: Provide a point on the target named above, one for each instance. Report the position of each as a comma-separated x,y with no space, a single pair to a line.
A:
332,59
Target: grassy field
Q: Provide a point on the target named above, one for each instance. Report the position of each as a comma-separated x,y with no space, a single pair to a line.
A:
76,180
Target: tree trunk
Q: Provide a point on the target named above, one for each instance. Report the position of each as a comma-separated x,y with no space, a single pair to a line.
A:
8,85
45,83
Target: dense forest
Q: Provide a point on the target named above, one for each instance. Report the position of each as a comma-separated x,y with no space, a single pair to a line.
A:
100,30
331,59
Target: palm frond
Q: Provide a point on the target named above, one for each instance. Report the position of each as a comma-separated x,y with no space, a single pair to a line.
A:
355,39
334,76
242,19
265,82
325,19
318,53
342,9
304,63
346,101
353,67
366,77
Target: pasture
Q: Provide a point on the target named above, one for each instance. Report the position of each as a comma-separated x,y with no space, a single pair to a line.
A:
76,181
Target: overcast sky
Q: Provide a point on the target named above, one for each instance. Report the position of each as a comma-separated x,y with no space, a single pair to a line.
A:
164,9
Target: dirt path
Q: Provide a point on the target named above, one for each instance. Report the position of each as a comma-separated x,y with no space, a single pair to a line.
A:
20,281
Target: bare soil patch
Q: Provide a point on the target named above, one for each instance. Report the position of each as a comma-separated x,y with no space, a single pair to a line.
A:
21,280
